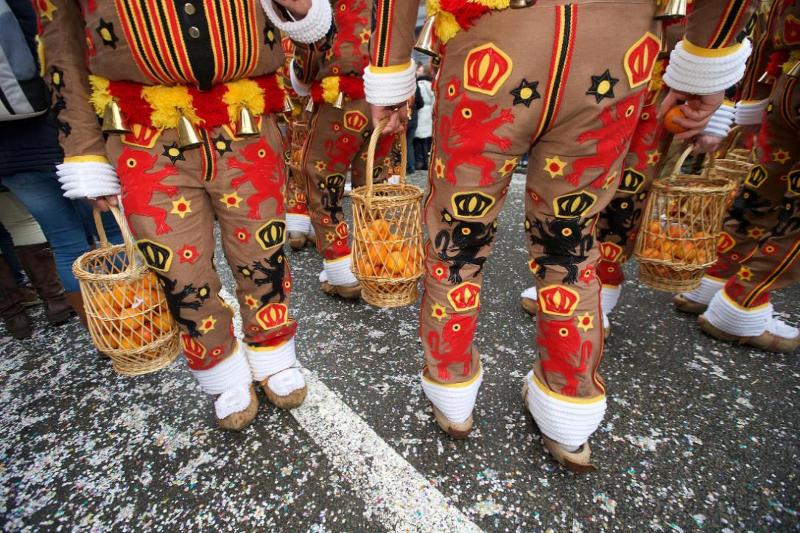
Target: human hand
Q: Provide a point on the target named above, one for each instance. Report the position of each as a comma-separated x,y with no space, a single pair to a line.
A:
397,117
696,109
298,8
103,203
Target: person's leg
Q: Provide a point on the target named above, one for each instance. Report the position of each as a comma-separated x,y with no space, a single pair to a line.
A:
247,195
335,138
35,256
112,229
172,219
12,312
7,250
767,212
298,221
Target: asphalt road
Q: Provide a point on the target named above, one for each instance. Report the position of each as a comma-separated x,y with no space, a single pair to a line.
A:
699,435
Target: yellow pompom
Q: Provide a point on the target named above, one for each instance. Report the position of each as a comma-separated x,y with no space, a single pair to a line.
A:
243,93
446,26
100,96
168,104
330,88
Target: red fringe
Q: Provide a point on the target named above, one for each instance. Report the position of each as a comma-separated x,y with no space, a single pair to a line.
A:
464,12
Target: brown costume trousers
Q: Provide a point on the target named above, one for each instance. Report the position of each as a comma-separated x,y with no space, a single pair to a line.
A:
760,245
171,197
572,104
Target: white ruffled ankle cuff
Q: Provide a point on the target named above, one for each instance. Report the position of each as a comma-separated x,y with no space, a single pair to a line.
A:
705,291
228,374
529,293
339,271
268,361
721,121
310,29
296,223
723,313
455,401
750,113
609,296
694,73
389,88
233,400
567,420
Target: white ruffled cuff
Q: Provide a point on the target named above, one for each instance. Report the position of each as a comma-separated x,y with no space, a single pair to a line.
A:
705,291
299,87
721,121
268,361
389,88
297,223
566,420
87,179
734,319
530,294
228,374
310,29
609,296
455,401
750,113
696,74
339,271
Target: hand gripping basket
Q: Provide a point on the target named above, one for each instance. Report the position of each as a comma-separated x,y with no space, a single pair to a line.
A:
125,306
682,221
387,243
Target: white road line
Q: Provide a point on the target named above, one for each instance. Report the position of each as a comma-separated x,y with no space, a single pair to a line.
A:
395,492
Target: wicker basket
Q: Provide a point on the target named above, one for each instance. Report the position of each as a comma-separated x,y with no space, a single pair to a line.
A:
125,306
734,170
680,227
387,243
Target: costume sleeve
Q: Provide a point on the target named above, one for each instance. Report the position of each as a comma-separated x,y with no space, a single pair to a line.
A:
310,29
754,94
712,55
390,78
79,130
305,67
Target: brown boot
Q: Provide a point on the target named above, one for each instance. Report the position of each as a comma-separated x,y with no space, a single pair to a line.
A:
76,302
38,262
11,310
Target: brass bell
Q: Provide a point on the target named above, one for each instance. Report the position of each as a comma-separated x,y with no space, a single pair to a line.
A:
246,127
288,105
426,42
671,9
794,72
310,105
664,50
187,135
112,119
519,4
339,103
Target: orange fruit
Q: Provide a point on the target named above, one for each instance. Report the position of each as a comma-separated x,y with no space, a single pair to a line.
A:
131,319
669,120
410,270
654,227
381,228
395,263
676,232
377,253
162,322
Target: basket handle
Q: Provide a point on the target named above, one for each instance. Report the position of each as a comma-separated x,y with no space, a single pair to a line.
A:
681,160
373,145
127,237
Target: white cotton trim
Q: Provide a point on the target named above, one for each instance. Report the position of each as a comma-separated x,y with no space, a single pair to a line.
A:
296,223
87,179
780,328
232,401
266,362
705,75
705,291
733,319
609,296
231,372
750,113
456,402
310,29
566,422
391,88
339,271
529,293
299,87
721,121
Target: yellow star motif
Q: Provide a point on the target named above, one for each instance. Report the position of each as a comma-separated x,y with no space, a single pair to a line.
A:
585,322
438,312
365,35
609,180
554,166
781,156
47,9
508,167
320,166
207,324
231,200
181,207
251,301
755,232
653,157
438,168
745,274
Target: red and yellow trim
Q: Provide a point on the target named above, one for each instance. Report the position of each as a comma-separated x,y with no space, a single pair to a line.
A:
785,264
384,15
328,88
729,24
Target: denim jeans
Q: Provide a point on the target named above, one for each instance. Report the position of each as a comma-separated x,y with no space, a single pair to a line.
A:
62,221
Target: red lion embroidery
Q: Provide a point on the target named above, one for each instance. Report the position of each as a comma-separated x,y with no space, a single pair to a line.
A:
347,22
139,184
645,138
457,337
464,135
264,170
562,341
340,151
613,136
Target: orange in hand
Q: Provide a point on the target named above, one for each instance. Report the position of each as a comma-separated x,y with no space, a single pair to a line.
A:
669,120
